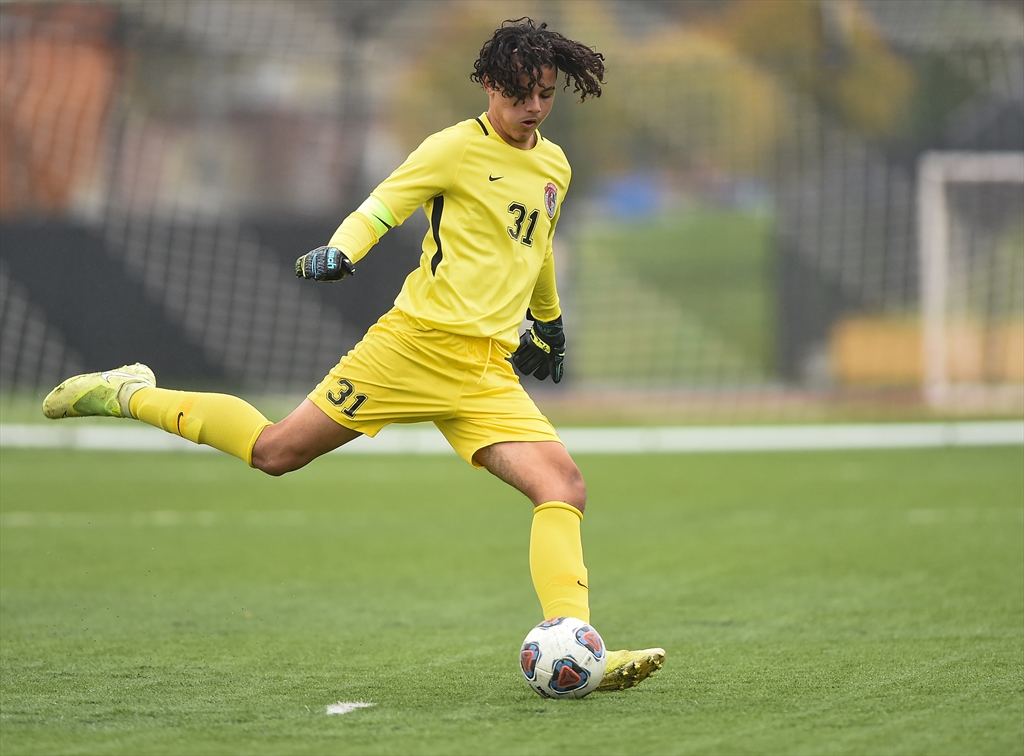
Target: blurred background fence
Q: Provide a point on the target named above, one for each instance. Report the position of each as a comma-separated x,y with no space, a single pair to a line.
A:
743,239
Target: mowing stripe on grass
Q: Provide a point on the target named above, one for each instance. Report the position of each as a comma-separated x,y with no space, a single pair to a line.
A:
426,439
344,707
291,518
162,518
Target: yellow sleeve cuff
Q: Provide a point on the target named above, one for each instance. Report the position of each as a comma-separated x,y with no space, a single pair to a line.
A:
362,229
354,237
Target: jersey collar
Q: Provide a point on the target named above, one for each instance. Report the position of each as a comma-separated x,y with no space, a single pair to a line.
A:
493,134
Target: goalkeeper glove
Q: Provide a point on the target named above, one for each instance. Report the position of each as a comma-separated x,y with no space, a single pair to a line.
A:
324,264
541,350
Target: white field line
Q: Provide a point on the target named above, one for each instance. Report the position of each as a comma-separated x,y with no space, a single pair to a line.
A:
278,520
426,439
344,707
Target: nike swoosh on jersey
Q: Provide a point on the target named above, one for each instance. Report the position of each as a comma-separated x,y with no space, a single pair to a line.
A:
494,178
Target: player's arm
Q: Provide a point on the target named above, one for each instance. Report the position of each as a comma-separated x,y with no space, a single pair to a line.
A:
359,231
427,172
541,350
544,302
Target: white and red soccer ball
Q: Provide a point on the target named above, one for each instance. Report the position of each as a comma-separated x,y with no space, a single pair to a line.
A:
563,657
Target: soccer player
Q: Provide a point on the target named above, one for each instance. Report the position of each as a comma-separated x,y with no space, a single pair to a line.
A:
492,188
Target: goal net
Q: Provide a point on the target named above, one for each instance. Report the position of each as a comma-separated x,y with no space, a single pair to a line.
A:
971,251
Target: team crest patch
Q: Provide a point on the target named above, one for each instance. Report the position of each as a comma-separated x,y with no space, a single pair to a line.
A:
550,199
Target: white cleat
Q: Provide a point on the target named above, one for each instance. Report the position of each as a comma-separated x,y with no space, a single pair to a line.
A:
103,394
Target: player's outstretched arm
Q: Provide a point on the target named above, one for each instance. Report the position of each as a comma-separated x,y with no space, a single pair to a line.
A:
324,264
541,350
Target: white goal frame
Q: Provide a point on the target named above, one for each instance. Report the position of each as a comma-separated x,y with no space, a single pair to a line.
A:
936,170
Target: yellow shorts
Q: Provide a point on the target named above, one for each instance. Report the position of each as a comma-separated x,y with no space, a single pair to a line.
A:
401,373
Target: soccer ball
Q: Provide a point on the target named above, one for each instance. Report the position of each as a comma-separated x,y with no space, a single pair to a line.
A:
563,658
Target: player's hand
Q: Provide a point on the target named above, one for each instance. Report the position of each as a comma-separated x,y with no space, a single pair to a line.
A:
541,350
324,264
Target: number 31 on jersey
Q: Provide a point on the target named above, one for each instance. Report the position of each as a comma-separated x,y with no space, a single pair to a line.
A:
346,389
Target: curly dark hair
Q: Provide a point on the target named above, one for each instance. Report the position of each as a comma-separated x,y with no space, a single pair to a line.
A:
521,47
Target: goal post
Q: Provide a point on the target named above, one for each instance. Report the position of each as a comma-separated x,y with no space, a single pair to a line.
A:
937,173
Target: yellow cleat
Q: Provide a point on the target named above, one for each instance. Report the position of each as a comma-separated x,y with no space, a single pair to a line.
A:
628,668
103,394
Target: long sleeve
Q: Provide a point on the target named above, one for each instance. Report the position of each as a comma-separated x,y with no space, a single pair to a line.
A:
428,172
544,303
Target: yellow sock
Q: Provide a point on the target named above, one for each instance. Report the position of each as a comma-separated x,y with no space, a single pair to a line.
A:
224,422
556,561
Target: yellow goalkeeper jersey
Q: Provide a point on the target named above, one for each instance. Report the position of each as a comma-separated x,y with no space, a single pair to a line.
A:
492,210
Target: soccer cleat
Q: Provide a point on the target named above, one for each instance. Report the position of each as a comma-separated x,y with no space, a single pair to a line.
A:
628,668
103,394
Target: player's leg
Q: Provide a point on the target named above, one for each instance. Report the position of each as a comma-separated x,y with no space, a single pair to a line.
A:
358,385
304,435
234,426
542,470
499,427
222,421
546,474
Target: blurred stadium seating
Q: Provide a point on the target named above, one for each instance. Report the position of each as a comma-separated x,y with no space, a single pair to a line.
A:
740,242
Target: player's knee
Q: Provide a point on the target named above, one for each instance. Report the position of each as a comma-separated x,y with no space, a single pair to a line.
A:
274,458
576,489
271,464
568,486
272,467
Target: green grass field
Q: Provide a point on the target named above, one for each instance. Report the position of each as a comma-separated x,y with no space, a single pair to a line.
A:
810,603
694,290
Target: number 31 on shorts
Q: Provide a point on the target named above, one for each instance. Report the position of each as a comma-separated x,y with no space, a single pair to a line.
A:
346,389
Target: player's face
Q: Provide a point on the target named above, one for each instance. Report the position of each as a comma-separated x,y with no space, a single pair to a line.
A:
516,121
